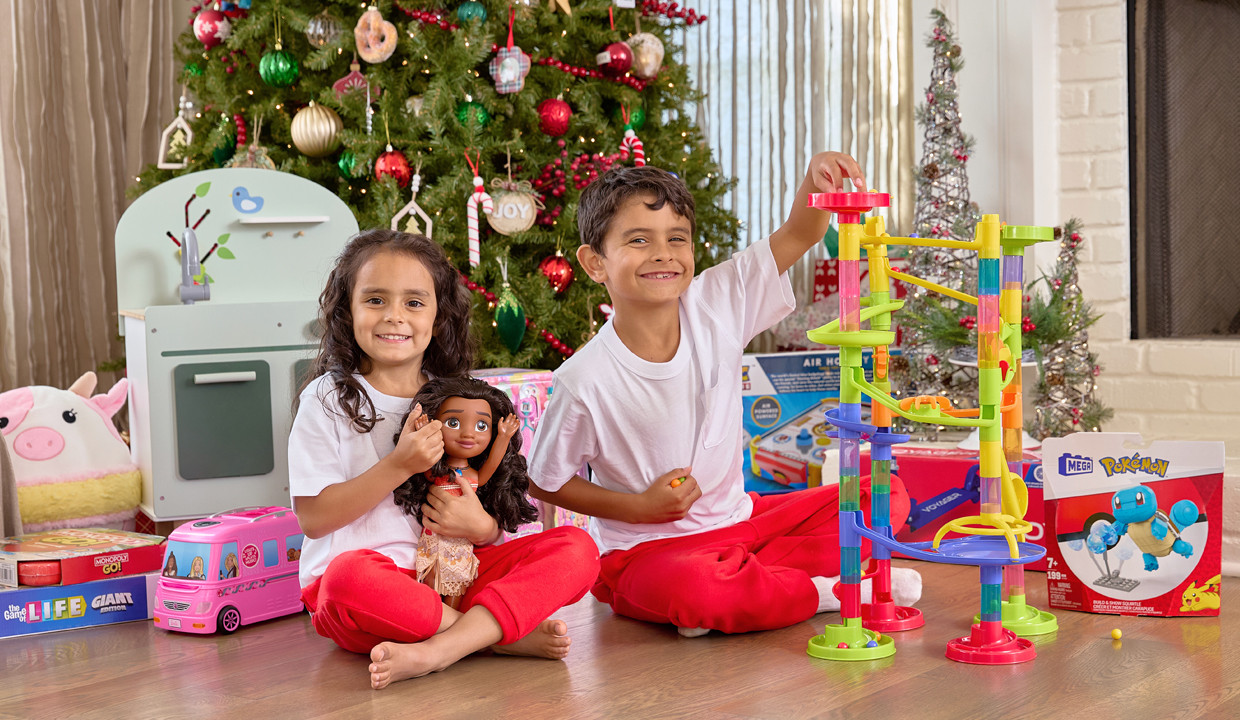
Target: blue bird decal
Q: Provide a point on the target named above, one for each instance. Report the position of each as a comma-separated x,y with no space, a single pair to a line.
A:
244,202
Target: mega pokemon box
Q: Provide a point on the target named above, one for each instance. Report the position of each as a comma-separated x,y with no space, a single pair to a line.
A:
1131,529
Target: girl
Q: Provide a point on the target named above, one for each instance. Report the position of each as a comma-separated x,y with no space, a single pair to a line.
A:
394,314
481,448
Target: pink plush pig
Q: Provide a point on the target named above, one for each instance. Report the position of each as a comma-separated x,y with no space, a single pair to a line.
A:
72,467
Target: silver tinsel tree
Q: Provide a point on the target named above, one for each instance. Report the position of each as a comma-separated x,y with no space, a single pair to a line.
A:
1066,397
943,211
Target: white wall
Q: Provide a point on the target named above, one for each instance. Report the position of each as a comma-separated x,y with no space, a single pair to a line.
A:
1044,92
1007,103
1167,389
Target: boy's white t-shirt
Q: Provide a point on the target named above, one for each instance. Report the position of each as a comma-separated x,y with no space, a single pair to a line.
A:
633,420
324,448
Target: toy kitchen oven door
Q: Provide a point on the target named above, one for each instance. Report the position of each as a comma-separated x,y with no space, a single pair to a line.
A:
218,277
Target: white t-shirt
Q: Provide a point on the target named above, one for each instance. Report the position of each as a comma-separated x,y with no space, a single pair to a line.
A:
324,448
634,420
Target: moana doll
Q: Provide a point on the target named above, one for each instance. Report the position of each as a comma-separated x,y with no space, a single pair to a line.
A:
482,447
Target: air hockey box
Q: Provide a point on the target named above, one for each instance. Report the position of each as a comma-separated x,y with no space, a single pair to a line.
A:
944,483
784,397
74,555
1136,529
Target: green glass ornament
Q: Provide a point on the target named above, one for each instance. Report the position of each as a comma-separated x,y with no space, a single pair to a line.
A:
225,152
637,117
509,318
472,113
193,69
471,11
346,163
279,68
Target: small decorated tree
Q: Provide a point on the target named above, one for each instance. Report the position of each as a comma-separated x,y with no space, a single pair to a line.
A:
944,211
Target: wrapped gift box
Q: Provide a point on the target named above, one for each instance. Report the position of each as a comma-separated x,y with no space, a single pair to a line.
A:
530,390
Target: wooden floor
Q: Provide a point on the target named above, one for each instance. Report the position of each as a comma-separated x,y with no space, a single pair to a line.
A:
619,668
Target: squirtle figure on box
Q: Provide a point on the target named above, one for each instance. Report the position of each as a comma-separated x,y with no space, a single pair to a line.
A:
1154,532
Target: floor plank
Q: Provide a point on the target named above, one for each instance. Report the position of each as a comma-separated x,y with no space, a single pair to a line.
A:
621,668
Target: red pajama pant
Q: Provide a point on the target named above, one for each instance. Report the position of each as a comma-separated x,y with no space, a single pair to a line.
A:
754,575
363,598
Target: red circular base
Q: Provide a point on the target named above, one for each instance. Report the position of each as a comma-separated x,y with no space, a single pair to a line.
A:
889,617
1006,649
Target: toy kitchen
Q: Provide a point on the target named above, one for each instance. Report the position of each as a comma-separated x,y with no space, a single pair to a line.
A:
218,278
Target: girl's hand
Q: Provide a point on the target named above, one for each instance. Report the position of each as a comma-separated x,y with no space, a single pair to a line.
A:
464,517
828,170
669,497
420,444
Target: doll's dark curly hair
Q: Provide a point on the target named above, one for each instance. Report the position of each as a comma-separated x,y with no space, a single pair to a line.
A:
503,496
451,351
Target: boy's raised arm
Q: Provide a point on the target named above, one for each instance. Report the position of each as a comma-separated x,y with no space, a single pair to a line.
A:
805,226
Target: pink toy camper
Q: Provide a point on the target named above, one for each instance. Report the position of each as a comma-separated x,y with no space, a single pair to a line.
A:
231,569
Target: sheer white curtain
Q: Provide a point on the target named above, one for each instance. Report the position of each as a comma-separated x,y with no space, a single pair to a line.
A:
85,89
784,79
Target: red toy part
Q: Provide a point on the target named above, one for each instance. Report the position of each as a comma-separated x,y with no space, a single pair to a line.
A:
38,572
849,205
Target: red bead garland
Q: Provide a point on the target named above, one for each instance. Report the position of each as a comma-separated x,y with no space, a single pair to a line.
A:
430,18
672,10
555,343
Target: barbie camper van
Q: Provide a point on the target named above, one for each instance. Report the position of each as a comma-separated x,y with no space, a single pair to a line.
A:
231,569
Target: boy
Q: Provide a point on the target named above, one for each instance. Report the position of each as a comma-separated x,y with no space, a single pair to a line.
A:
653,405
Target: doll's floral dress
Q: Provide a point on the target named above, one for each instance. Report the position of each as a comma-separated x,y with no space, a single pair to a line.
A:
449,562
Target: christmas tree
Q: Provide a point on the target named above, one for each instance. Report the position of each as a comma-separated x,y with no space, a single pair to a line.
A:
1066,398
427,115
943,211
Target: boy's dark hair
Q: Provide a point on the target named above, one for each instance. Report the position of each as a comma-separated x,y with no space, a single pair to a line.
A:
603,198
451,351
503,496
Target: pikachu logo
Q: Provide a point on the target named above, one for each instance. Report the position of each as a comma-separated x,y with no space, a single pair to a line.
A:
1201,598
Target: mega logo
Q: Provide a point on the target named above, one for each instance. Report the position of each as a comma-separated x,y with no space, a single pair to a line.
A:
1134,464
1075,465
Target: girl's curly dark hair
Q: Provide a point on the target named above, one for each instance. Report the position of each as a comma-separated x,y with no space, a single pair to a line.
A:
503,496
451,351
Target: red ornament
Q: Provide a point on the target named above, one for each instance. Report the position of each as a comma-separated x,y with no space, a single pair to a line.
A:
616,59
212,27
559,272
553,116
932,360
393,163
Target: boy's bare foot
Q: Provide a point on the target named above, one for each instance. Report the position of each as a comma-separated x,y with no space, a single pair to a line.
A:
391,661
548,640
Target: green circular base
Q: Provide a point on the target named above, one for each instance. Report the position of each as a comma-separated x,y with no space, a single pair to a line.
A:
855,639
1026,620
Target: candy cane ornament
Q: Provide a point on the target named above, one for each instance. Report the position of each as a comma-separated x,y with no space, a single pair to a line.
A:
478,197
631,143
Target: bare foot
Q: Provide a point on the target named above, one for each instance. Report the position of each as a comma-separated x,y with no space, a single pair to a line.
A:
391,661
548,640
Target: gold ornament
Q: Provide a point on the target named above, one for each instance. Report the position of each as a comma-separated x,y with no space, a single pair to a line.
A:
647,55
316,130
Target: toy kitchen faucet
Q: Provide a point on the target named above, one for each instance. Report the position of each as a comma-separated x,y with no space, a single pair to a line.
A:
192,290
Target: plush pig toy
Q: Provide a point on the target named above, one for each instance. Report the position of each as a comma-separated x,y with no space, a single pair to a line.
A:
72,467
